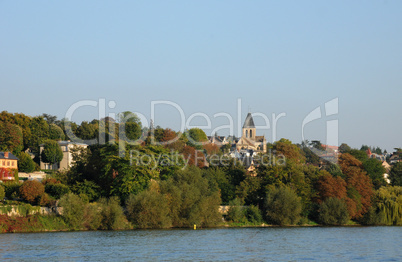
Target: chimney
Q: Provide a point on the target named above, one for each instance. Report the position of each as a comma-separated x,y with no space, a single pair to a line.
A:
5,154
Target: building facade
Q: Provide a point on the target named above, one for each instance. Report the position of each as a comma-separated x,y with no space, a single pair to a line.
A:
66,162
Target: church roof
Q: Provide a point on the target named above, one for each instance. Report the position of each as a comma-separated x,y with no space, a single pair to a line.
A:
249,122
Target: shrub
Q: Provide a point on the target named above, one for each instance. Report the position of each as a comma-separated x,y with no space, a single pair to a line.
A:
112,214
57,190
89,188
12,189
253,214
333,211
73,210
31,191
282,206
236,212
92,216
45,200
148,209
2,193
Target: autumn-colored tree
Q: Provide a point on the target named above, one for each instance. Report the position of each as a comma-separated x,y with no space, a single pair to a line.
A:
330,187
10,137
31,191
289,150
193,156
211,149
359,186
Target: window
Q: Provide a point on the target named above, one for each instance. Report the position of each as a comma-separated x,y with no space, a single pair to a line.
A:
8,163
12,163
246,133
4,163
251,133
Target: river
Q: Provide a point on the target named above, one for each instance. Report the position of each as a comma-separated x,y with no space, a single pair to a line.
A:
226,244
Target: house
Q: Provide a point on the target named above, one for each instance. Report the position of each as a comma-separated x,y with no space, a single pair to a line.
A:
66,162
10,162
249,139
218,140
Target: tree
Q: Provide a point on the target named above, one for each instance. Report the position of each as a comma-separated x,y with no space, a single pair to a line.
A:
333,211
282,206
73,210
31,191
289,150
396,174
52,152
359,154
2,193
26,163
330,187
149,209
376,171
39,133
344,148
196,137
10,137
55,132
387,207
359,186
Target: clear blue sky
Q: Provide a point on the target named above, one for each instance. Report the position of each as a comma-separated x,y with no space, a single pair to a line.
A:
282,56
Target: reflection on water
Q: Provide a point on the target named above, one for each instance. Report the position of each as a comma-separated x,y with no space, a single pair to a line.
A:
252,244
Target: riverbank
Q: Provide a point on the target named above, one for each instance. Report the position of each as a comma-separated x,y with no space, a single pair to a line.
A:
54,223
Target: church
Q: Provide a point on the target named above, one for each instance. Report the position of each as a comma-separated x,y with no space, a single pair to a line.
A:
249,140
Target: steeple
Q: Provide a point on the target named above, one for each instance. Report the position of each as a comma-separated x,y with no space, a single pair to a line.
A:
249,122
249,127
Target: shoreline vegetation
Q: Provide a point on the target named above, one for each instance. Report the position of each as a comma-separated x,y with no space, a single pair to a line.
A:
183,180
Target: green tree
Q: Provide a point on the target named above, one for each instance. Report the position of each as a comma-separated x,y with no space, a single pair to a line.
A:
39,133
52,152
333,211
149,209
344,148
55,132
396,174
376,171
73,210
282,206
196,137
112,213
26,163
387,207
2,193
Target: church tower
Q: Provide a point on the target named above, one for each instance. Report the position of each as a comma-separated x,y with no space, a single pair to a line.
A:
249,127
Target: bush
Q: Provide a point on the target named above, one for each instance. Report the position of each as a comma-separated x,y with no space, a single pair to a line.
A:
73,210
2,193
333,211
236,212
148,209
31,191
282,206
45,200
56,190
92,216
253,214
12,189
112,214
89,188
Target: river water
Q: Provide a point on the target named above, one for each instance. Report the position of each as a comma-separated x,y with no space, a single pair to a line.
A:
228,244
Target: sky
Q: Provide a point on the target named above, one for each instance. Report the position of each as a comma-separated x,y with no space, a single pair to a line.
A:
216,60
